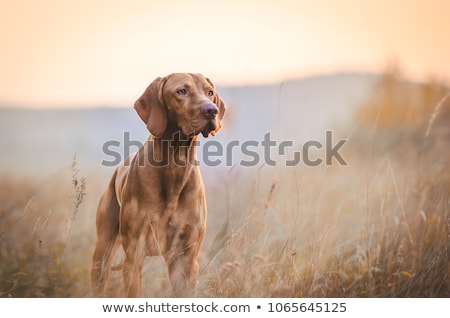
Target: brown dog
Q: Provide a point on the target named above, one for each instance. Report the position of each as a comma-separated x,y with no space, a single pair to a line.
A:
155,203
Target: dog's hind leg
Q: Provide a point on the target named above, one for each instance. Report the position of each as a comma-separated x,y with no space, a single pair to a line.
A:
107,224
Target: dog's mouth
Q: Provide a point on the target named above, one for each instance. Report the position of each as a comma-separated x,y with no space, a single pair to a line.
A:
210,128
204,127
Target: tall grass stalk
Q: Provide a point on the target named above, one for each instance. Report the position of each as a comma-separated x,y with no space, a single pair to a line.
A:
79,188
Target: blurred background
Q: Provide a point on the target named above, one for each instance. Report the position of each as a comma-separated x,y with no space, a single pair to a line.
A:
374,73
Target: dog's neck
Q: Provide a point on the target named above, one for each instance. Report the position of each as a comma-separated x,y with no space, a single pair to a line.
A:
173,148
176,158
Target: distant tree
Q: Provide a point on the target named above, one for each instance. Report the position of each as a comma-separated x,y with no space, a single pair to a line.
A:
433,93
395,101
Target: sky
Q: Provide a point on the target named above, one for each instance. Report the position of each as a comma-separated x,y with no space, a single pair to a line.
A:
86,53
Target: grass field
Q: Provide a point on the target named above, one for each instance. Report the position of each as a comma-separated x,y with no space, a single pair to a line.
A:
378,227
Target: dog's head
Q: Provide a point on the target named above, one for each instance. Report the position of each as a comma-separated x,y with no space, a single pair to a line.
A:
181,101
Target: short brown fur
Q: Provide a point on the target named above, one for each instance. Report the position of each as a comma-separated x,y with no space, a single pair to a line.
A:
155,202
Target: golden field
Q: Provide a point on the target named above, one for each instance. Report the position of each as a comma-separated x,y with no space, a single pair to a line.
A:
377,227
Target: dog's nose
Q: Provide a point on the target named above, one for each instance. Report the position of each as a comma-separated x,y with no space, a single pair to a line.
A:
210,110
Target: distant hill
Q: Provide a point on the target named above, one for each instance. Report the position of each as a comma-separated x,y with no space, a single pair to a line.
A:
297,109
44,141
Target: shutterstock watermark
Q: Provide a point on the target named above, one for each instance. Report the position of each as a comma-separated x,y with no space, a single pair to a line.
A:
249,152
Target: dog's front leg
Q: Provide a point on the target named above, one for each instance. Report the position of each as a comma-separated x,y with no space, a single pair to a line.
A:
132,269
183,271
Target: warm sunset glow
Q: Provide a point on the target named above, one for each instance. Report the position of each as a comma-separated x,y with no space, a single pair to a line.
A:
97,52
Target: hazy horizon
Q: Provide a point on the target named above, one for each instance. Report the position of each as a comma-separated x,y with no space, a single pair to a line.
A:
275,83
106,105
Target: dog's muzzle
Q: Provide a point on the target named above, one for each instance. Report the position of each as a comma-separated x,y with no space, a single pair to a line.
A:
210,111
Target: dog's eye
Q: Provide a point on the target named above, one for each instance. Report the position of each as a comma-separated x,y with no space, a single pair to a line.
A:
182,91
210,93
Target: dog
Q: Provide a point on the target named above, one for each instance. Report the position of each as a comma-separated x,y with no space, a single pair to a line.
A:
155,203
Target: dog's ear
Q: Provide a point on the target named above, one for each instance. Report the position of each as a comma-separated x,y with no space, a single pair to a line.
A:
151,108
220,105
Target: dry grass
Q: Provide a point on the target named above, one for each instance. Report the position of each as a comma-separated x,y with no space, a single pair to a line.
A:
368,230
377,228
